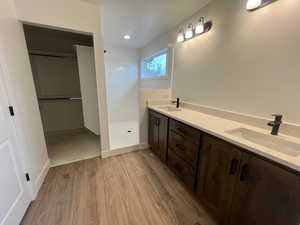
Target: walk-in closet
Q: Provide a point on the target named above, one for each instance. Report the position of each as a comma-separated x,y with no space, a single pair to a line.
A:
64,75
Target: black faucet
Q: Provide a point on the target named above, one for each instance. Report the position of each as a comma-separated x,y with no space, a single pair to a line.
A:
177,102
276,124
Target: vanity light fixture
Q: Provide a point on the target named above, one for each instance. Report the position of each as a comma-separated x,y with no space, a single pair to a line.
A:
200,26
192,31
180,36
189,33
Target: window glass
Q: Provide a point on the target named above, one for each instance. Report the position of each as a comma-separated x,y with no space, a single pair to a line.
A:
155,66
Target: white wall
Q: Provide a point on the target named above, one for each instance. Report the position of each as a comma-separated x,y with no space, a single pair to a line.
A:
121,65
68,14
248,62
14,60
78,16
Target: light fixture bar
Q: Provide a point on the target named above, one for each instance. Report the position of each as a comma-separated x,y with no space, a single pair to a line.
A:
191,31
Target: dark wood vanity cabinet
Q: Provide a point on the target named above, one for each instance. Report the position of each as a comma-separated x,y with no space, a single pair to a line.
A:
239,188
158,134
183,151
217,176
184,141
265,193
183,170
236,186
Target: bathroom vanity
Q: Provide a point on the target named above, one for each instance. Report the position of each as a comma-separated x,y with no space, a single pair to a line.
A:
239,182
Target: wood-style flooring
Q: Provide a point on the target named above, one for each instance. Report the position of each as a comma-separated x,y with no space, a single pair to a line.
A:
131,189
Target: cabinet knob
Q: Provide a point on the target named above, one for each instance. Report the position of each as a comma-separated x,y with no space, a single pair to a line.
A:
157,121
180,147
244,172
180,130
233,166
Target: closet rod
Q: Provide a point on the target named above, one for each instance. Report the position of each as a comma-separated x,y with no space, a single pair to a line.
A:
52,54
46,55
59,98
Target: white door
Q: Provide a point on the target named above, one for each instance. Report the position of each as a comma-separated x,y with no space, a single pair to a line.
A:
88,86
14,193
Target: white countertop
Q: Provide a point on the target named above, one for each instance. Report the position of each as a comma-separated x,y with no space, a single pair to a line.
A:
218,127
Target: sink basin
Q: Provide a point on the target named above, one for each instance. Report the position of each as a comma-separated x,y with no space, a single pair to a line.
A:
170,108
267,140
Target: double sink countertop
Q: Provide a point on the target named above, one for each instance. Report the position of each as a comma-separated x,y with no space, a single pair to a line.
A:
282,149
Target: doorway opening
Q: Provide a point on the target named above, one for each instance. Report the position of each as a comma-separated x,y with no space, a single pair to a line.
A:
63,69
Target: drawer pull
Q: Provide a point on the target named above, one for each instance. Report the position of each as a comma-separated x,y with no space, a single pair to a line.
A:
178,167
244,173
157,122
180,130
233,166
180,147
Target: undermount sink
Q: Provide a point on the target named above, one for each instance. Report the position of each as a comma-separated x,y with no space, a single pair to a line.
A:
267,140
170,108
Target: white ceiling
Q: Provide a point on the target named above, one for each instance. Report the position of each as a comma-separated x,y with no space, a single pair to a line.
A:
144,20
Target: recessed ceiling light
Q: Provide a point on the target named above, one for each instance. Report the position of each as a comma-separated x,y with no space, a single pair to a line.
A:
127,37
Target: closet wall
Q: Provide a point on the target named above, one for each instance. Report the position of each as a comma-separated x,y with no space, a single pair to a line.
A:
55,72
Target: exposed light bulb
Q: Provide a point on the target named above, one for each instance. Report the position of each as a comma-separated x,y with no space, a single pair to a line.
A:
180,37
200,26
253,4
189,32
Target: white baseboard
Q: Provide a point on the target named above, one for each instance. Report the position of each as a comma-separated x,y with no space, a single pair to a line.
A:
40,179
124,150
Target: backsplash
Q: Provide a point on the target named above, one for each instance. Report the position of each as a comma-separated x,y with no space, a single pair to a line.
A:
260,122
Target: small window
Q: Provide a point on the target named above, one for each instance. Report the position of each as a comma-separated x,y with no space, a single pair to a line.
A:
155,66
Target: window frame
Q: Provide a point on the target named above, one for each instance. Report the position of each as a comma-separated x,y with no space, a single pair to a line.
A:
161,52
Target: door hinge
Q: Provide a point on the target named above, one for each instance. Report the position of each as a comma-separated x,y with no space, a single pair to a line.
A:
27,177
11,110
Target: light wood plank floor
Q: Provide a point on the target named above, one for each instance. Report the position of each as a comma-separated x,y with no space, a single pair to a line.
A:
131,189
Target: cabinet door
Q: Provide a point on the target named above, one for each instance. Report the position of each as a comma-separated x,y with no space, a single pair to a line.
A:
265,194
153,132
162,136
217,177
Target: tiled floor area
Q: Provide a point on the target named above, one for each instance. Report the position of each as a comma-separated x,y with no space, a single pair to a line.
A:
67,148
120,136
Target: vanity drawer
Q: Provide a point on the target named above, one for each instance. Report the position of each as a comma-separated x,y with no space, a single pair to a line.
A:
183,170
184,148
186,131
